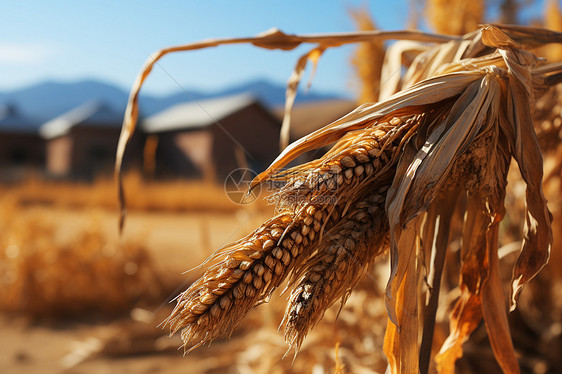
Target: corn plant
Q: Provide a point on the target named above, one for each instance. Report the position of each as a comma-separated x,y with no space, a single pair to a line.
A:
437,145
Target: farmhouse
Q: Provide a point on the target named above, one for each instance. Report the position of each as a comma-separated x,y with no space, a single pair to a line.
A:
82,142
204,139
211,138
21,147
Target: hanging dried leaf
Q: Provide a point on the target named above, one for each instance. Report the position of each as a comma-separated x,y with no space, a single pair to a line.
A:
392,65
401,337
291,94
467,312
495,311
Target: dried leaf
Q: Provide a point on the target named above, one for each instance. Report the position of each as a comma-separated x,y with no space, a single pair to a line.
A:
464,319
291,93
494,37
451,138
401,337
436,246
494,309
412,192
436,61
467,312
392,65
537,231
529,37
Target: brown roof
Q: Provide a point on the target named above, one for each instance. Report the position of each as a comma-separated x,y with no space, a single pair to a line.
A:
307,117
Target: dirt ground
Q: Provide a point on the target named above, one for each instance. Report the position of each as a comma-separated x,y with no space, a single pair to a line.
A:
177,242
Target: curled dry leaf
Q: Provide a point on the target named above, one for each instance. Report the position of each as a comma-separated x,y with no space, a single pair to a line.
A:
291,94
271,39
447,136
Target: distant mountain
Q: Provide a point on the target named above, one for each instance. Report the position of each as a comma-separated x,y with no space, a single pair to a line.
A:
46,100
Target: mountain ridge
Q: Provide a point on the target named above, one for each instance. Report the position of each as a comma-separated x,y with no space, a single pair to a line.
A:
48,99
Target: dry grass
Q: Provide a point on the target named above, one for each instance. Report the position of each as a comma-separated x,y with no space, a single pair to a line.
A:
87,275
49,271
171,196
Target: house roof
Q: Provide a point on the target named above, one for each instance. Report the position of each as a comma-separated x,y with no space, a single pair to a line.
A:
197,114
93,113
310,116
12,121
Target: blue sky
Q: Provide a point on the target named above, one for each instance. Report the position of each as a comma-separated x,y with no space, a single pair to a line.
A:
110,40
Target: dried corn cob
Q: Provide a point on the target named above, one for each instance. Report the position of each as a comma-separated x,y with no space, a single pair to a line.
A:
245,274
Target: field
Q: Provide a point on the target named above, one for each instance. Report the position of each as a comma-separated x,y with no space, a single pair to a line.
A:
426,239
37,334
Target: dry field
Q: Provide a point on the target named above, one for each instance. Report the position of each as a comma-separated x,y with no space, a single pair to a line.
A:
405,245
69,283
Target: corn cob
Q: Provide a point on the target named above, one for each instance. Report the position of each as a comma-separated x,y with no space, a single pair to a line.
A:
245,274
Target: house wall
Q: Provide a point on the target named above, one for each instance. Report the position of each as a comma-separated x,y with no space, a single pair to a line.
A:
84,153
255,130
21,150
93,150
59,156
172,160
214,151
197,146
19,154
